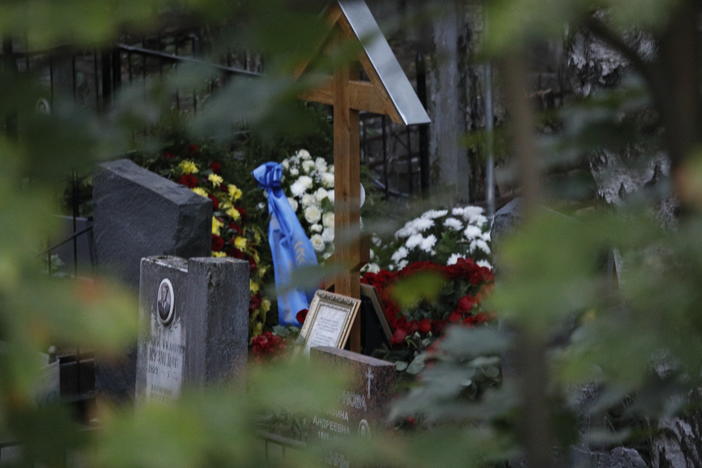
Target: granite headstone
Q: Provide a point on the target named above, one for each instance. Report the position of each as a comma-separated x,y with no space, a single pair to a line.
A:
364,403
138,214
195,313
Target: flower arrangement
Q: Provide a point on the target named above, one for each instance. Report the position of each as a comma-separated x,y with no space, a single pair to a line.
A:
442,236
462,288
234,233
310,184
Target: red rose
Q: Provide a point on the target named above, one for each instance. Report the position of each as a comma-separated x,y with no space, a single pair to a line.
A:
188,180
235,227
216,167
193,148
168,155
425,325
267,345
215,202
241,211
301,316
217,242
399,336
455,316
466,303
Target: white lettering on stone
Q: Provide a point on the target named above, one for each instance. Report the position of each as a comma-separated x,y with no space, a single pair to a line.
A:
165,354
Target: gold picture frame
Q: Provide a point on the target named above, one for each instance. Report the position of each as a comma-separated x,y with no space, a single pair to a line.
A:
329,320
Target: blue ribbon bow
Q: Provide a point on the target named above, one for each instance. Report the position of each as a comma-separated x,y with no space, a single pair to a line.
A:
290,247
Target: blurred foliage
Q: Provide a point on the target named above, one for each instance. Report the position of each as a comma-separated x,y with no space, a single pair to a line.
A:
634,336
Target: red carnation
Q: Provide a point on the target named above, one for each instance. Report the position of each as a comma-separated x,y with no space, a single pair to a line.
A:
399,336
255,302
168,155
215,202
267,345
188,180
216,167
217,242
193,148
235,227
425,325
466,303
301,316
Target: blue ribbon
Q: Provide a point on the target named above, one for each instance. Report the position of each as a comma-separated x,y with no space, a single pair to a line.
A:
290,247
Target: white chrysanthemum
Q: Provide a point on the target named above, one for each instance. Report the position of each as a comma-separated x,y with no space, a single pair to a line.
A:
312,214
414,240
330,195
471,232
377,241
293,203
472,211
453,223
320,194
285,164
428,243
453,259
402,264
484,264
321,164
307,166
371,268
306,181
297,188
405,231
399,254
308,199
422,224
317,243
328,235
479,244
328,219
433,214
294,171
458,211
316,228
479,220
486,236
328,179
261,205
303,154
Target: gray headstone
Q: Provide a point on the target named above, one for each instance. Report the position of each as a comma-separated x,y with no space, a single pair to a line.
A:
140,214
196,317
364,404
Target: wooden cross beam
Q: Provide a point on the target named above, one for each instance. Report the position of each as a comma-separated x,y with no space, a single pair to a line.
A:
388,92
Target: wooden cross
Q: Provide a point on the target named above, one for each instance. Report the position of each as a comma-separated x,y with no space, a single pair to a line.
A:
386,92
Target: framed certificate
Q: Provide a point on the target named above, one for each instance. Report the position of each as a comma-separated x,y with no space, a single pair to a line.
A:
329,320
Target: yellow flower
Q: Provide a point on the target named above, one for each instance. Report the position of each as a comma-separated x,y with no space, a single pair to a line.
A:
254,286
216,226
233,213
200,191
215,179
240,243
266,305
219,254
188,167
234,192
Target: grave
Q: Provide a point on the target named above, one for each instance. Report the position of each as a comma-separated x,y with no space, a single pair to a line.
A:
195,313
382,89
363,405
140,214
